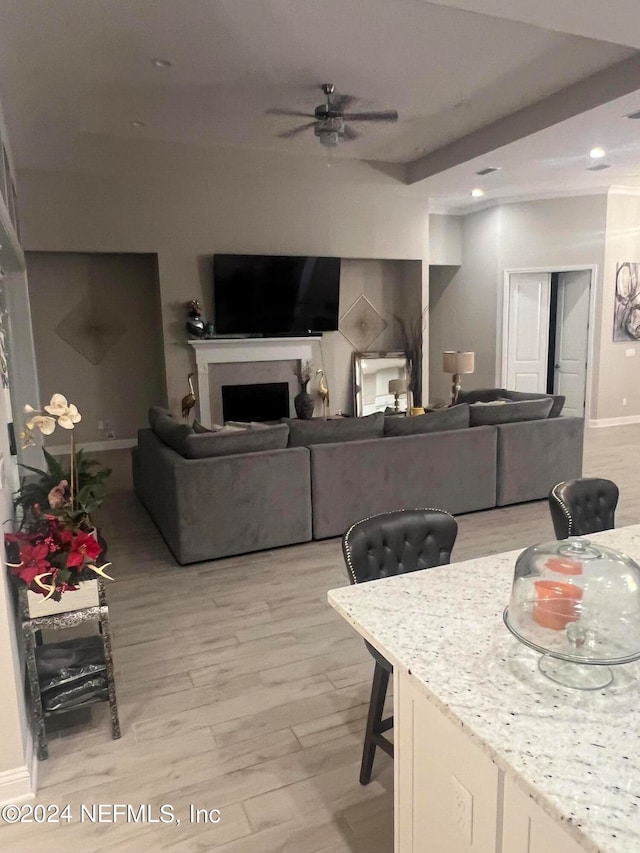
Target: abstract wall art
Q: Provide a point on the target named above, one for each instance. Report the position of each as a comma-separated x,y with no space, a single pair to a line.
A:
626,313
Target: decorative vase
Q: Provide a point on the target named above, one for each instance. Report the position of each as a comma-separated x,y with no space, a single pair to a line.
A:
303,403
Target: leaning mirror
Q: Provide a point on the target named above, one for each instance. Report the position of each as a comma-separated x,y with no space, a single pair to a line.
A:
380,382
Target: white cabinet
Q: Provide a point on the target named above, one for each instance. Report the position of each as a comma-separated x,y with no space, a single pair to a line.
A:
527,828
450,797
446,787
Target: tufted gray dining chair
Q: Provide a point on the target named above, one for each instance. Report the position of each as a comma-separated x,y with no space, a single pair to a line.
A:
384,545
585,505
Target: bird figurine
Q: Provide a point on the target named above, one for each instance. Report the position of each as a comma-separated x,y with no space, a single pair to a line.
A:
189,400
323,390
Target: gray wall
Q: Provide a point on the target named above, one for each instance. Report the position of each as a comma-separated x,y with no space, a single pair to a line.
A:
463,305
619,374
129,378
185,203
466,306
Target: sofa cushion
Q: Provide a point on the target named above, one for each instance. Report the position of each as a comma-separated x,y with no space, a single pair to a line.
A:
482,395
328,430
457,417
486,414
557,400
229,442
488,395
155,412
171,431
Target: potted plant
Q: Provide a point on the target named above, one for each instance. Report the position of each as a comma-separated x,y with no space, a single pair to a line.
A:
56,546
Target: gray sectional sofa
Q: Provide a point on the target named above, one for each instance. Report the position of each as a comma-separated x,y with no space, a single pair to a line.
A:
219,494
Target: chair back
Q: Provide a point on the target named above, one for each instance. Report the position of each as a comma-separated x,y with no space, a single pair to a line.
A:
585,505
393,543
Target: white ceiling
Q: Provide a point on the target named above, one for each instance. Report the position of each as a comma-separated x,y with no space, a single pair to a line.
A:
80,70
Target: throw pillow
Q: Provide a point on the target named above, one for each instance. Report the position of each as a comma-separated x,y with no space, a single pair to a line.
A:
526,410
231,441
328,430
456,417
198,428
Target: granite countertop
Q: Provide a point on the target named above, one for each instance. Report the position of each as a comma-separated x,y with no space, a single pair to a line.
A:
577,753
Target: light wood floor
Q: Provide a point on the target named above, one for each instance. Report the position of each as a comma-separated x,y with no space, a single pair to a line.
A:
241,690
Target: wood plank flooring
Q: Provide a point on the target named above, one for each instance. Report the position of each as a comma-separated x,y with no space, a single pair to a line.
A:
241,690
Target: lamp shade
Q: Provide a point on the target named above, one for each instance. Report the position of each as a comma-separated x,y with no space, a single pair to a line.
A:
458,362
397,386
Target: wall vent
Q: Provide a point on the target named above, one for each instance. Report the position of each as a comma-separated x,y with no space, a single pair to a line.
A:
635,115
599,167
488,170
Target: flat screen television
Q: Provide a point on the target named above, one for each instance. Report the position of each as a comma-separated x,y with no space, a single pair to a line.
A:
271,295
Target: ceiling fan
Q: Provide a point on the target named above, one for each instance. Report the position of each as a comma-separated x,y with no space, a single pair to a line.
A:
330,119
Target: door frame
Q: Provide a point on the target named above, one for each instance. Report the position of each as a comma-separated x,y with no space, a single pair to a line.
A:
503,322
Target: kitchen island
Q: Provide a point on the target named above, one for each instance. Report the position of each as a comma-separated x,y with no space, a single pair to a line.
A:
491,755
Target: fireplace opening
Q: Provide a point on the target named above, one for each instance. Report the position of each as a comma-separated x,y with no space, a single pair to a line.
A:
266,401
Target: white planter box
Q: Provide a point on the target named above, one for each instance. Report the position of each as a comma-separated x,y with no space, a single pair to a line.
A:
85,596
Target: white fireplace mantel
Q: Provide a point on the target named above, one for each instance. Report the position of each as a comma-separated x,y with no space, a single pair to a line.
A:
235,350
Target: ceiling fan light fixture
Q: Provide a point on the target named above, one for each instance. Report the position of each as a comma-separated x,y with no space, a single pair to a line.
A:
330,132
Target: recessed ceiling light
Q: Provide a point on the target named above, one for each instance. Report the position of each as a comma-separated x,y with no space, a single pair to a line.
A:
597,152
477,192
161,63
488,171
137,123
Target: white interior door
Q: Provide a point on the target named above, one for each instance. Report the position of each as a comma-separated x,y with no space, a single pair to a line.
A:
528,331
572,336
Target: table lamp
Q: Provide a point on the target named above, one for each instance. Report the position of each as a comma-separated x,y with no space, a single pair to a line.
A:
397,387
457,363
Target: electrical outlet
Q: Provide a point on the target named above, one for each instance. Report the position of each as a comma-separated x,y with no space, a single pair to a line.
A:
100,425
107,424
463,809
624,401
111,434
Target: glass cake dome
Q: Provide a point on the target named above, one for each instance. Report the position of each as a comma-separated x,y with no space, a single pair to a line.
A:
578,604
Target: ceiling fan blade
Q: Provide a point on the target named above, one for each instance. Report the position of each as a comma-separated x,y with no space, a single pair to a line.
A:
350,133
389,115
340,103
288,113
287,134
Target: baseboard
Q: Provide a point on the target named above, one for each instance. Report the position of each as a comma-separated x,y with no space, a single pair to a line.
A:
20,784
112,444
609,422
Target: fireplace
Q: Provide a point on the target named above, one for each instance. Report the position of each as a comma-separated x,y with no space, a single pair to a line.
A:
266,401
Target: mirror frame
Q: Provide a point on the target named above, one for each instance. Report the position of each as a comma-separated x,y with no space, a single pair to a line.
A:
358,358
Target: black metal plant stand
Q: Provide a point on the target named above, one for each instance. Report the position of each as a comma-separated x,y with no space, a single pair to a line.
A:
31,626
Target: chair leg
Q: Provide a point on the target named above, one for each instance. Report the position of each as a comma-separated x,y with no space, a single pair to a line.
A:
374,721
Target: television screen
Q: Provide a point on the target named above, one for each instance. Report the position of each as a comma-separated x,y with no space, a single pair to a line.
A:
274,295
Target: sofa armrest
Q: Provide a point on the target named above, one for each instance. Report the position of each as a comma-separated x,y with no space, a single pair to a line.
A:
225,505
535,455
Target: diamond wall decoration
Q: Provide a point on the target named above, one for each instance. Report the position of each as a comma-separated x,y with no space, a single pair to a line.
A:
93,327
361,324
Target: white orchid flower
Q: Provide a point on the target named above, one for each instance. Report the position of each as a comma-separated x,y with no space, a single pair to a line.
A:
71,417
67,413
57,405
44,423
